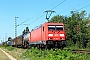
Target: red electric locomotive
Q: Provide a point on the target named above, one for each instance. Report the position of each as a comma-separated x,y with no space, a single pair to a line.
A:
48,35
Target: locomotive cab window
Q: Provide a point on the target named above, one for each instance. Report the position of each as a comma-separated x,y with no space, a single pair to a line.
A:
51,27
59,27
43,28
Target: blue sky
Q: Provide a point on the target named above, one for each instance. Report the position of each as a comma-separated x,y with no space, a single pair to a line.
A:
33,9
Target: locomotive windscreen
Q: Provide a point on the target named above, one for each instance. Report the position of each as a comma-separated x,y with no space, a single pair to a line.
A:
59,27
51,27
55,27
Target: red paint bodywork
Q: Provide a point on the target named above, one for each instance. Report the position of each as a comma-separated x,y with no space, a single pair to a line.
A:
36,35
42,33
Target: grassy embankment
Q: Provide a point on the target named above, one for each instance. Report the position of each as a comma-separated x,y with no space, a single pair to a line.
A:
53,54
3,56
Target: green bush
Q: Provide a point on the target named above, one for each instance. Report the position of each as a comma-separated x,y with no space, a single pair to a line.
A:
10,48
53,54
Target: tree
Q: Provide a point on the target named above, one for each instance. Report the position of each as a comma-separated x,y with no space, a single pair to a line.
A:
9,38
75,27
57,18
25,30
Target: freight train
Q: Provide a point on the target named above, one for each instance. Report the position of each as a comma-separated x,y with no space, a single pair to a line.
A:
45,36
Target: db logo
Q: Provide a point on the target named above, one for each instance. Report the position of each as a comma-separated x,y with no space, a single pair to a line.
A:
56,34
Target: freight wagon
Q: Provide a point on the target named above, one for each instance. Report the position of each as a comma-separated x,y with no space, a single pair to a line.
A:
26,39
21,41
17,41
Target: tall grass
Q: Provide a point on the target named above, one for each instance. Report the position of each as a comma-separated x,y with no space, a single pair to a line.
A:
43,54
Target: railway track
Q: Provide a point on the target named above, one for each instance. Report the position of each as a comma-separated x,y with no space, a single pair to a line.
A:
81,51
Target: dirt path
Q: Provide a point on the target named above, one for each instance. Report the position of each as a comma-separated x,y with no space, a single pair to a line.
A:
9,56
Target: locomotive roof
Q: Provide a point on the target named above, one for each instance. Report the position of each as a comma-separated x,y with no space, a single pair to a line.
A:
48,23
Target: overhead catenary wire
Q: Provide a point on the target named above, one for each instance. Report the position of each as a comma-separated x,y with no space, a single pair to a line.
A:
83,7
37,19
43,14
58,4
79,5
38,14
82,3
53,3
23,22
51,9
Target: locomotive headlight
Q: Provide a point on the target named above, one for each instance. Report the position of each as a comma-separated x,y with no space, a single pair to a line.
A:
50,34
61,34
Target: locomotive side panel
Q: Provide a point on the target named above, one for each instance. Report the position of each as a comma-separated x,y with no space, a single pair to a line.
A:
44,32
36,35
